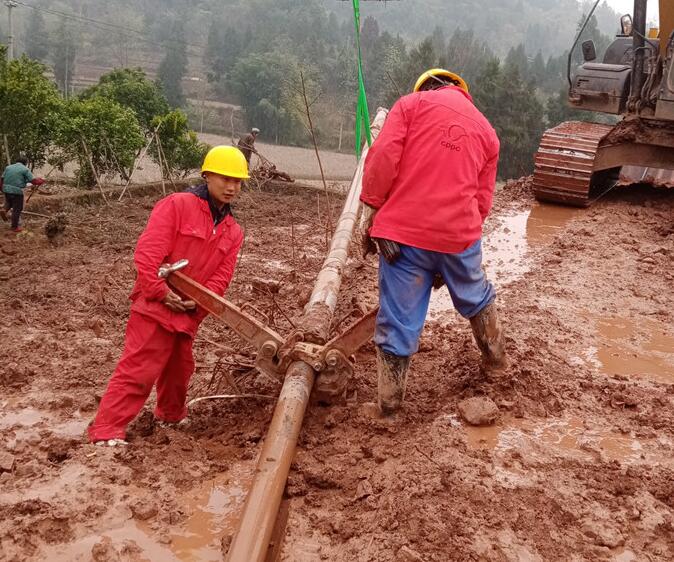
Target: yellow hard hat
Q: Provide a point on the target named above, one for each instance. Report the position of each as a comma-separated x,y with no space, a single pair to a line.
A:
227,161
460,82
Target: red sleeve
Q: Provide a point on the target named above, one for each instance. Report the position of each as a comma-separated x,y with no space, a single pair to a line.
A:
37,182
487,182
222,276
153,248
383,158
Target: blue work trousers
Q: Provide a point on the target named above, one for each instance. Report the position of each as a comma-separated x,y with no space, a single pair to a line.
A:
405,291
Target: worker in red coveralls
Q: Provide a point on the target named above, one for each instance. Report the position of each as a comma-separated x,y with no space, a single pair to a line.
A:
196,225
427,188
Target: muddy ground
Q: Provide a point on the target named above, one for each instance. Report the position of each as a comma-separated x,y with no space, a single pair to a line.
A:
579,465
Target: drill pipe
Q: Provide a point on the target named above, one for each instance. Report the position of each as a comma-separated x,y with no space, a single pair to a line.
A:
251,541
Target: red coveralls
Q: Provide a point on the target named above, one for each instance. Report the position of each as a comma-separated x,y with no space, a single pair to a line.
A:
158,344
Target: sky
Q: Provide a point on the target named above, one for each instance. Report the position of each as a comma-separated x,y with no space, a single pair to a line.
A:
626,7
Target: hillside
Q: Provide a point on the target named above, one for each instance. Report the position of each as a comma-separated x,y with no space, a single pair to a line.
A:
548,25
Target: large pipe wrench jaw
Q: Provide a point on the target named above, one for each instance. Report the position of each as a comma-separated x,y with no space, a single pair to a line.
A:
166,269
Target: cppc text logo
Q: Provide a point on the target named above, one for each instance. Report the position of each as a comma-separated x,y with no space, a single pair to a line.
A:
452,136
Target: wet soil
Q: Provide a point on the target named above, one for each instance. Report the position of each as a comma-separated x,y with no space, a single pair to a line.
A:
578,465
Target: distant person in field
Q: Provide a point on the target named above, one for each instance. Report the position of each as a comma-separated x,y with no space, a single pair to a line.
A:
247,143
15,179
196,225
428,185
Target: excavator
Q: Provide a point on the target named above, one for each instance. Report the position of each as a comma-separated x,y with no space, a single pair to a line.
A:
635,80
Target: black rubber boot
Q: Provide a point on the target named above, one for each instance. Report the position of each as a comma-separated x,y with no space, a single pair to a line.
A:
392,381
489,338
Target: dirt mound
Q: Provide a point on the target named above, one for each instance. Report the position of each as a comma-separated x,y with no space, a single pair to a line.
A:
515,194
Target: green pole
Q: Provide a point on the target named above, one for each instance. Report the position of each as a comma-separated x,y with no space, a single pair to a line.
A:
362,111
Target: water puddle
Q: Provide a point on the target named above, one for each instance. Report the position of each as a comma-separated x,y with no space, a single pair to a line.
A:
27,417
27,420
640,348
215,508
129,533
505,249
565,437
545,222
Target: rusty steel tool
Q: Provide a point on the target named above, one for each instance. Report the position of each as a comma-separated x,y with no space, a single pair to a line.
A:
266,341
275,354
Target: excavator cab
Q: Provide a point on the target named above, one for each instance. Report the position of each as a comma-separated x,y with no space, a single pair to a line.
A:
635,79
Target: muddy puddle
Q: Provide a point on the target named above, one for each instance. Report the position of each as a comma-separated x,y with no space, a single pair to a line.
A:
640,349
505,249
569,437
213,511
25,421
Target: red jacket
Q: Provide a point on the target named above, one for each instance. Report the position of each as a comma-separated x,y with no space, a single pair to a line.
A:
181,226
432,171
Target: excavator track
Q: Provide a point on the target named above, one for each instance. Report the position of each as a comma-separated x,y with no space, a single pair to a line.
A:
564,164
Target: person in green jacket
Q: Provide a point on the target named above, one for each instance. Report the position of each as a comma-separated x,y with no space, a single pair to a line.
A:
15,178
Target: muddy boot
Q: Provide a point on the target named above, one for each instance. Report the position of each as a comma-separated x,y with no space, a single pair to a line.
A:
392,380
489,338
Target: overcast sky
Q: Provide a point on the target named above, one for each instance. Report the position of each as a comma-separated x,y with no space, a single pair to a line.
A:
626,7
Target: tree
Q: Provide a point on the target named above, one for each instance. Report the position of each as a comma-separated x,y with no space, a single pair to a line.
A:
181,151
173,67
555,73
537,69
511,106
421,58
223,48
369,34
259,80
29,104
405,68
517,58
467,55
393,80
591,32
439,44
110,132
36,37
558,110
131,88
64,53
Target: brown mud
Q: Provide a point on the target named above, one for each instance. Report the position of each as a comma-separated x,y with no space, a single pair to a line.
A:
577,466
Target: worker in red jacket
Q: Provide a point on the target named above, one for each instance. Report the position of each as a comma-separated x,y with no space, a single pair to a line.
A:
196,225
427,188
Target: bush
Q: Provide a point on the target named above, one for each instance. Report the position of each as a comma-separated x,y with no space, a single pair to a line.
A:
129,87
29,106
181,150
110,132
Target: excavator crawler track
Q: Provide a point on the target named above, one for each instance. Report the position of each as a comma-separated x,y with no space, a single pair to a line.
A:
564,164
